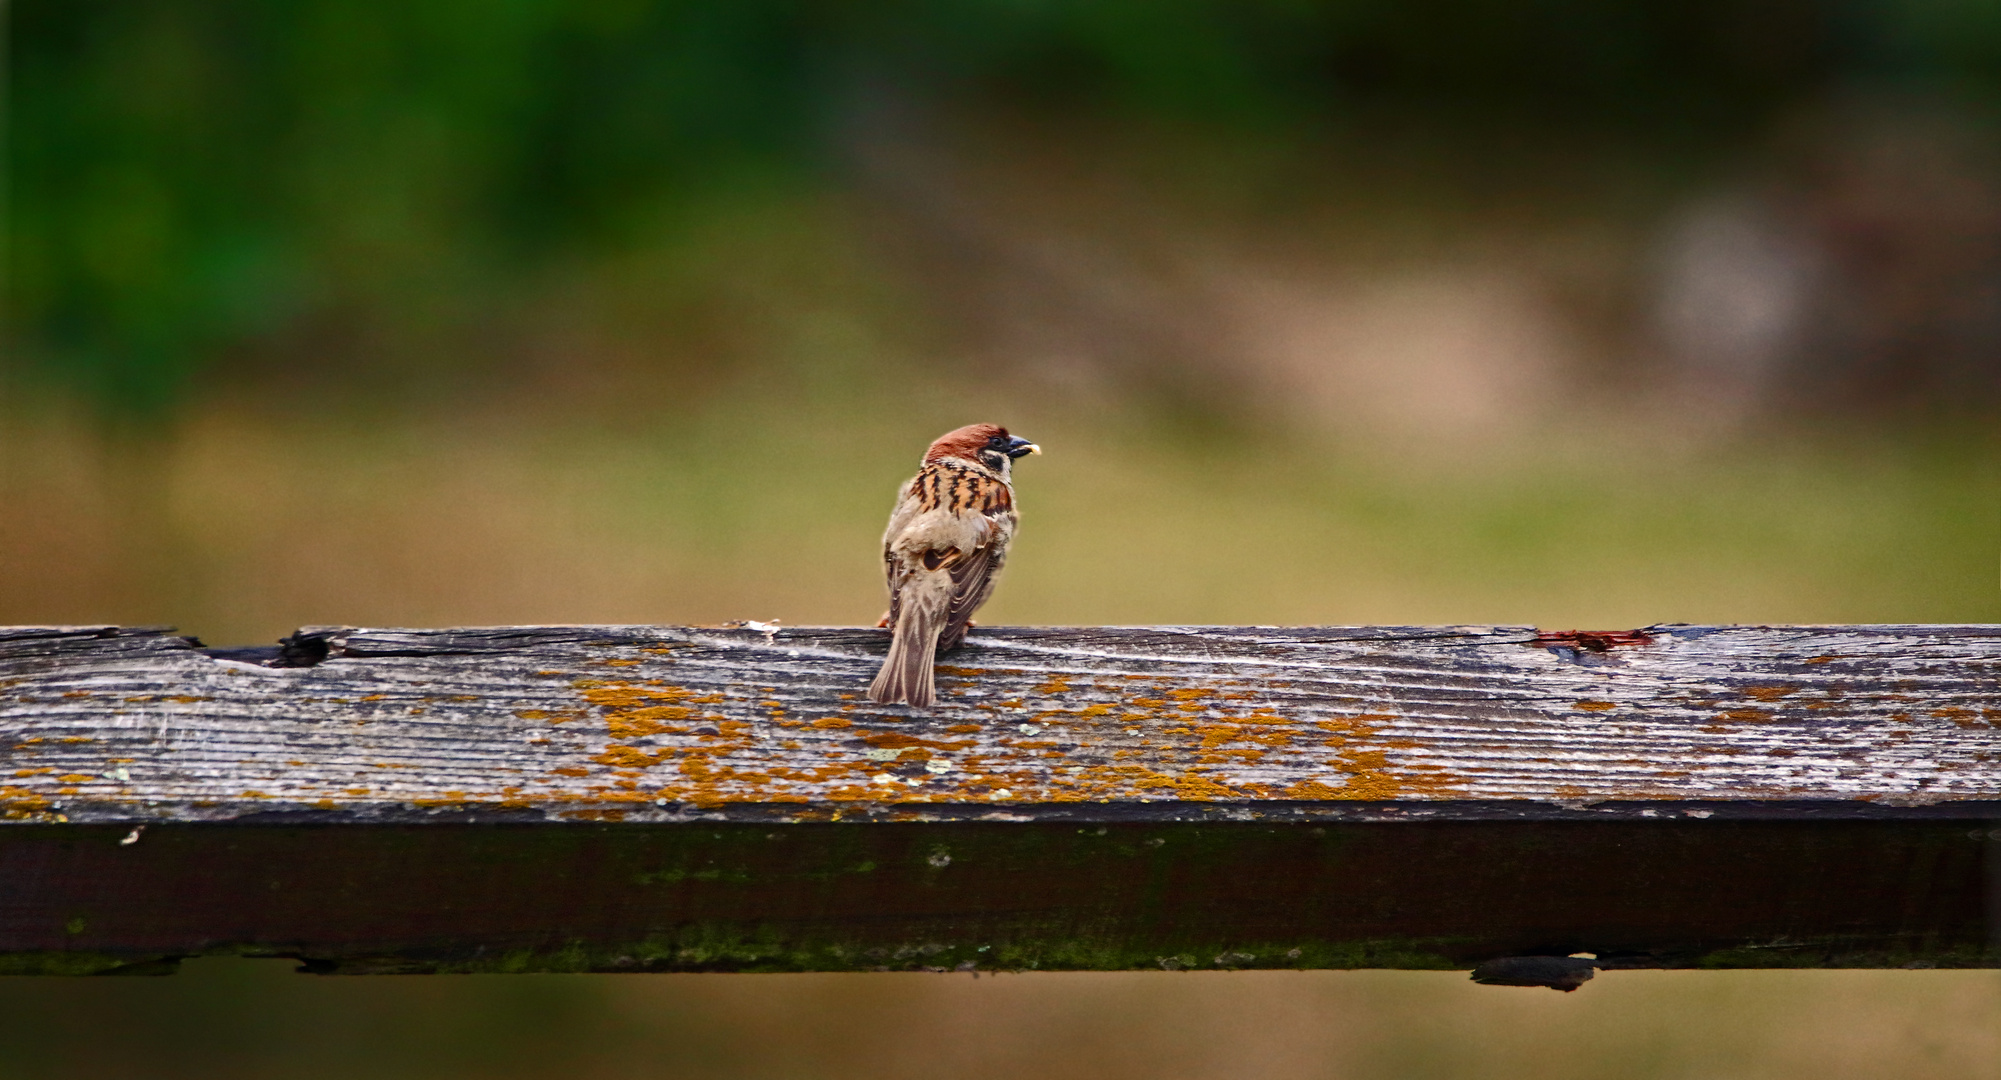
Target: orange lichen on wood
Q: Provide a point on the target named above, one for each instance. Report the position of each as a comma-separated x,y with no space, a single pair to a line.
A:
633,710
1203,789
1370,786
629,757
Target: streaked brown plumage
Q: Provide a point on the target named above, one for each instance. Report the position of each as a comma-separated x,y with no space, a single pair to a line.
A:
946,543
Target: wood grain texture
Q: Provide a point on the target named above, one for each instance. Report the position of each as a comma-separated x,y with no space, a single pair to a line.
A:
672,724
718,799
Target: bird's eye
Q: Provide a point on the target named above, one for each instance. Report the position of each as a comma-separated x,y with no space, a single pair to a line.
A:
997,442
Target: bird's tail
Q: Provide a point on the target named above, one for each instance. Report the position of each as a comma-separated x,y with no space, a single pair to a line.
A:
906,672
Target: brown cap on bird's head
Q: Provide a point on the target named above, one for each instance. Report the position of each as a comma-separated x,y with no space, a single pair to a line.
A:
970,441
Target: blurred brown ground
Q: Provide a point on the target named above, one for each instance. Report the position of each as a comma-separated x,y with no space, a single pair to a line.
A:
248,520
234,1018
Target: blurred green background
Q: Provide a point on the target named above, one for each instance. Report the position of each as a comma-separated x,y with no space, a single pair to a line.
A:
1552,312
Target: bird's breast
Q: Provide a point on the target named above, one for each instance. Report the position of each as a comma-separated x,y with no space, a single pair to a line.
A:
944,528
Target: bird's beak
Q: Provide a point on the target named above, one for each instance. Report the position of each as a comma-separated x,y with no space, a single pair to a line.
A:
1017,447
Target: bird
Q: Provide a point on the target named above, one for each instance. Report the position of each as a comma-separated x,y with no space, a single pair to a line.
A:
946,543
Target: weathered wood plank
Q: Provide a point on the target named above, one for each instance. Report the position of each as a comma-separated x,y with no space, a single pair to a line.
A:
668,798
976,895
669,724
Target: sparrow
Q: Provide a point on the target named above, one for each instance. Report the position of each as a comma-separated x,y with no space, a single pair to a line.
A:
946,542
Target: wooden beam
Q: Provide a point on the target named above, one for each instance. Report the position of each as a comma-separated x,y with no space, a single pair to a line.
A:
670,798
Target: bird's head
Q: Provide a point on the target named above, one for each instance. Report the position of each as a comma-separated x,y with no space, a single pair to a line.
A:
988,444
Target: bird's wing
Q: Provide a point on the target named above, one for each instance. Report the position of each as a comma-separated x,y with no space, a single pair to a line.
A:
900,517
899,520
972,583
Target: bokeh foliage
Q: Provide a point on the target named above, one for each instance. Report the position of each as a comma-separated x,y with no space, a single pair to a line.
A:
189,177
